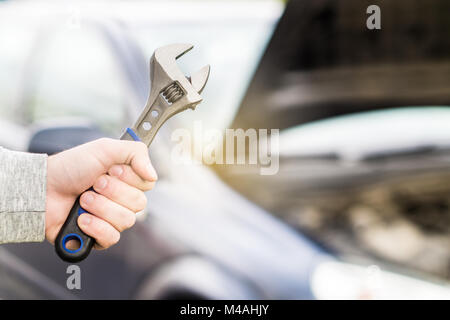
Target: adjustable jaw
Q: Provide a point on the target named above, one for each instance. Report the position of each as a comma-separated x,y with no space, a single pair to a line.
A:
171,91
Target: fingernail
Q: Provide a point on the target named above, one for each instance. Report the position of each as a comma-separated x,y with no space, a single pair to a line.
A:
85,219
152,172
87,198
116,171
100,183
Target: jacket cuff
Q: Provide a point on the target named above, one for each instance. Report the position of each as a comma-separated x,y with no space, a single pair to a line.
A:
23,182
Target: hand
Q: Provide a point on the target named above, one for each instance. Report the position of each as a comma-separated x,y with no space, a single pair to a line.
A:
119,171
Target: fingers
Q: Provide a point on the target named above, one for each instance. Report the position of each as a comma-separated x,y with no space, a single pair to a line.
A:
121,193
126,174
104,234
119,217
126,152
105,220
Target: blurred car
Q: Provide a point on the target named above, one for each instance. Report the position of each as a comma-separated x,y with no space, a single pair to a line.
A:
80,72
83,77
364,137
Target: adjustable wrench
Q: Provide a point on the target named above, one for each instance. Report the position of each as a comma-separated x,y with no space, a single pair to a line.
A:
171,92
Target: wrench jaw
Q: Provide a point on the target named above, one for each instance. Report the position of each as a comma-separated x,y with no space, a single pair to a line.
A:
167,54
199,78
171,91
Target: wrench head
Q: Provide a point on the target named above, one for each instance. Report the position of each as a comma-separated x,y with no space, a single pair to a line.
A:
171,91
169,80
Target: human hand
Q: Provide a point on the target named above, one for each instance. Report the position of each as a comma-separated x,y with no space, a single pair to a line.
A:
119,171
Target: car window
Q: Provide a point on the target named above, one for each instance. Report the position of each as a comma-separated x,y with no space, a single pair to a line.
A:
74,74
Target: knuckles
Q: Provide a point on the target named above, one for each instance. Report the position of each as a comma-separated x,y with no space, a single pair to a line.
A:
106,236
134,199
140,203
104,184
129,221
148,185
87,199
142,147
105,140
112,239
104,143
116,238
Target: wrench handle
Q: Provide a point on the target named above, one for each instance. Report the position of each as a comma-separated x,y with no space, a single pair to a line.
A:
71,231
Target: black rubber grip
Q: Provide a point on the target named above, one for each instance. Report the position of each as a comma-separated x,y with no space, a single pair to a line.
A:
71,231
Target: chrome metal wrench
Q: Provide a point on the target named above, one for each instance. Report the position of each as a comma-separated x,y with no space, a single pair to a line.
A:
171,92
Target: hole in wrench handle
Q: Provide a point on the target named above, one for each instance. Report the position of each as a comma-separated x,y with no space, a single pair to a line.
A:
69,229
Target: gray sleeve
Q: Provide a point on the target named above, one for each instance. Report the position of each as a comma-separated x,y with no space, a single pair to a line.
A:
23,181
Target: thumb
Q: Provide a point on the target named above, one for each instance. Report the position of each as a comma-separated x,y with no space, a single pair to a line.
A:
133,153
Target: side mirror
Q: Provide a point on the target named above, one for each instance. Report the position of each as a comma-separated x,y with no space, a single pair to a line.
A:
55,139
